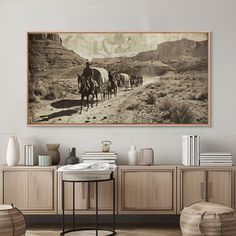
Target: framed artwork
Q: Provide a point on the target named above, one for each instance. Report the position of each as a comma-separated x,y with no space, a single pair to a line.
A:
118,78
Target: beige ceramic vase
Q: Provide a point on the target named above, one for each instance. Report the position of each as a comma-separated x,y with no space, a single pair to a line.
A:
54,153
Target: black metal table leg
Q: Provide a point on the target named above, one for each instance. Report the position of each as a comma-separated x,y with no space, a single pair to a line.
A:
96,208
114,205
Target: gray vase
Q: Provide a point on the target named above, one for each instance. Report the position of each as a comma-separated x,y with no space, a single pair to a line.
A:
72,159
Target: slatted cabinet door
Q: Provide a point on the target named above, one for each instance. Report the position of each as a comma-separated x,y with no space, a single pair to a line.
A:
81,196
192,187
15,188
41,191
219,187
160,190
105,196
146,190
134,190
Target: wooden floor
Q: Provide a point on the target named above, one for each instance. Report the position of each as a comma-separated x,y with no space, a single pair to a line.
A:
123,230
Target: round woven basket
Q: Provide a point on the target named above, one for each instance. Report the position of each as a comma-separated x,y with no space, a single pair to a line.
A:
12,221
208,219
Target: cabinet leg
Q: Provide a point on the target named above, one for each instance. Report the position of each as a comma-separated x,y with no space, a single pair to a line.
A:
73,205
114,205
63,209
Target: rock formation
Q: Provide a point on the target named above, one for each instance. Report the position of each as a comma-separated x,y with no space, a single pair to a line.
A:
54,37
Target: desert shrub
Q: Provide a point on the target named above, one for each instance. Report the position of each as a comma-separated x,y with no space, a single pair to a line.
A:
202,96
37,92
161,94
159,84
191,97
178,113
178,90
132,107
150,99
181,114
32,99
50,87
50,96
165,105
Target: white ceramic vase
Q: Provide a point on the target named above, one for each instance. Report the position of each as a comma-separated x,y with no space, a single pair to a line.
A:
13,152
133,155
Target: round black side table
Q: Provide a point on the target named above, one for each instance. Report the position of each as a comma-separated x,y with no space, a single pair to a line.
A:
96,228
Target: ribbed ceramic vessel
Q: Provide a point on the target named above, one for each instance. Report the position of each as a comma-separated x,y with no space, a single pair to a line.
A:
133,155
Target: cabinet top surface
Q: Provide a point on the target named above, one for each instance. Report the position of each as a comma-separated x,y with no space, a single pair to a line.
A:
27,167
156,166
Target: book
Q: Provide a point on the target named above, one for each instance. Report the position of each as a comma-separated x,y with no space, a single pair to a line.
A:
216,157
185,150
216,154
216,164
99,153
190,150
196,150
216,161
30,158
96,161
98,158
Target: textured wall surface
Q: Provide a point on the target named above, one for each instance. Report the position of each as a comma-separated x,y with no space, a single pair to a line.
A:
19,17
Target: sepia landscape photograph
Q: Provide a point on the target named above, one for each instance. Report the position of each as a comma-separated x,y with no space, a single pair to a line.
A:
120,78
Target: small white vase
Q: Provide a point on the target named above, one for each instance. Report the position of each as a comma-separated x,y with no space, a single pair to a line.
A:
133,155
13,152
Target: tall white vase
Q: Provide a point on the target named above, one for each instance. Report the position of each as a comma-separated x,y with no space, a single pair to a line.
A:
133,155
13,152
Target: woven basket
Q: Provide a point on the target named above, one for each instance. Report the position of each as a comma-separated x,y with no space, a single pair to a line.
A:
205,218
12,221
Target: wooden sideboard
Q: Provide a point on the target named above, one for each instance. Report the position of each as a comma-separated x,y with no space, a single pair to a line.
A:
139,189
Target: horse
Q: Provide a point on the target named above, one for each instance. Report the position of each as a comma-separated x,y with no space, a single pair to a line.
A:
88,88
108,88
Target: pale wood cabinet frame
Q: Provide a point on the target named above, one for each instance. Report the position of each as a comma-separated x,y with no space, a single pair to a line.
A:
32,189
145,193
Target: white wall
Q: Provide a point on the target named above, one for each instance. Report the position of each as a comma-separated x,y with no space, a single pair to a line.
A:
18,17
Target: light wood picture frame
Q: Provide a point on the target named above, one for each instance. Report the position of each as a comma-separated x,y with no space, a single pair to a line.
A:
118,79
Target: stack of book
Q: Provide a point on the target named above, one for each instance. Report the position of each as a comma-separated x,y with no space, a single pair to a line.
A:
106,157
190,150
216,159
30,158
